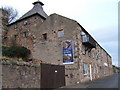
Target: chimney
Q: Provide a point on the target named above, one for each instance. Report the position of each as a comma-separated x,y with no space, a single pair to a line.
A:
38,2
37,9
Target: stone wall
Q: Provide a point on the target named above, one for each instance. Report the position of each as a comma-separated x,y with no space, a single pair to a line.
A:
23,33
20,74
50,50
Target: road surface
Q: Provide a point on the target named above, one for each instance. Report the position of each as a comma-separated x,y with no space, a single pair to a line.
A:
106,82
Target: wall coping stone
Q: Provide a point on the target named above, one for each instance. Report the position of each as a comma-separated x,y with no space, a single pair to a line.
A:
19,63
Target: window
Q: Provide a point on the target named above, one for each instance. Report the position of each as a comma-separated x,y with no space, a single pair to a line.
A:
93,55
82,33
84,37
60,33
89,53
94,69
71,75
15,26
83,50
25,34
25,22
45,36
85,69
15,37
97,56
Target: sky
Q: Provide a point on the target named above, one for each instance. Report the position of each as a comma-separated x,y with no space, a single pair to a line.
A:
98,17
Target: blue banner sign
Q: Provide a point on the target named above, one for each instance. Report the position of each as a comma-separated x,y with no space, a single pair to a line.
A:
68,52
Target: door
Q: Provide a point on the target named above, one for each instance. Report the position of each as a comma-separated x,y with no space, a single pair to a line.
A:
52,76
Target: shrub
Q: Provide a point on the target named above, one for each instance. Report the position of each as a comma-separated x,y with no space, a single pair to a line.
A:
5,50
15,51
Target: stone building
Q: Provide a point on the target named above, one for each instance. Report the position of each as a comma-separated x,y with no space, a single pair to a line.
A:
58,40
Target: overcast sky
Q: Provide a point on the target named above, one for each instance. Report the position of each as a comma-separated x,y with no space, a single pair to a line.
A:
98,17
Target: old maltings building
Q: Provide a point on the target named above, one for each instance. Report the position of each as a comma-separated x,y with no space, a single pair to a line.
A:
58,40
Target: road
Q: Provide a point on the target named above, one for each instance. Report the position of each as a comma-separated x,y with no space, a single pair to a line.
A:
106,82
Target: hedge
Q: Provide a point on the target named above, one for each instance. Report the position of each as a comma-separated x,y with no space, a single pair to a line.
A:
15,51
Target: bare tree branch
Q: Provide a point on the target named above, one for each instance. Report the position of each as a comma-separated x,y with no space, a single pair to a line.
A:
11,13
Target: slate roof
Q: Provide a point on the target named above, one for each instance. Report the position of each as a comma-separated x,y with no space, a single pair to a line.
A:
37,9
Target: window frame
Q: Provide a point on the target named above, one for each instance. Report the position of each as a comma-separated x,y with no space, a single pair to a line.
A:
83,50
89,53
60,33
15,37
85,69
25,34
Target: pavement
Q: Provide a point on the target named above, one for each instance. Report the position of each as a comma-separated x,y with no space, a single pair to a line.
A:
106,82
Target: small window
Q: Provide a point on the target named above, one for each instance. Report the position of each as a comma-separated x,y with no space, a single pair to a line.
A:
60,33
82,33
84,36
45,36
71,75
25,34
15,37
93,54
15,26
25,22
85,69
89,53
83,50
97,56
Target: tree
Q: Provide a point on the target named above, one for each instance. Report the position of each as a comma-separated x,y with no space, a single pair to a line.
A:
11,13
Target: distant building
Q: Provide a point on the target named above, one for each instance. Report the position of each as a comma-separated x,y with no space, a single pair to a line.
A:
116,69
58,40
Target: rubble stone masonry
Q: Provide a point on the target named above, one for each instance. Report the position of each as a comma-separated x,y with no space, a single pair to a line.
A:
41,37
20,74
